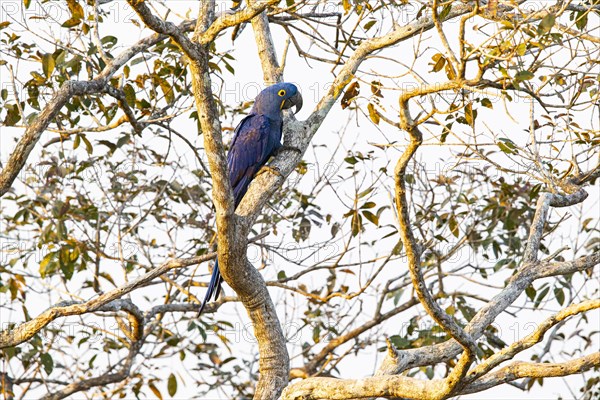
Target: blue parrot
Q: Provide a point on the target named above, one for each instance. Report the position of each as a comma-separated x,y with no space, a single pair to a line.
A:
256,138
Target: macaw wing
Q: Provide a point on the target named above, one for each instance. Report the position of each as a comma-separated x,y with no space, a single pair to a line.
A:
248,152
238,127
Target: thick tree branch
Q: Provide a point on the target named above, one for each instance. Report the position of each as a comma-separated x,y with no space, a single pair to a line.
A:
508,353
541,214
413,254
228,20
266,49
404,387
518,370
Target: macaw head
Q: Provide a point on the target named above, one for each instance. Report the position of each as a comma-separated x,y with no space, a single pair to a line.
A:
277,97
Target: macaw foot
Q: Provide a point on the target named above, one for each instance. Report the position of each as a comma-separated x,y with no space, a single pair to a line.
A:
273,170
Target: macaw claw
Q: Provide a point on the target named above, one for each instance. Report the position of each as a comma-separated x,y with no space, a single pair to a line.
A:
273,170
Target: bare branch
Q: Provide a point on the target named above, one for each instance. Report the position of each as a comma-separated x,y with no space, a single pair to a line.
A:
404,387
266,49
518,370
27,330
508,353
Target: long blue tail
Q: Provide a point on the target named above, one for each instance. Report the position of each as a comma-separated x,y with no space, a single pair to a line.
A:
214,286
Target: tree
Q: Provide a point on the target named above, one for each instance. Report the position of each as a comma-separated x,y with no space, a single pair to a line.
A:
452,202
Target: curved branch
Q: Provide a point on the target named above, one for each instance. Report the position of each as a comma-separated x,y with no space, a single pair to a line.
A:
227,20
27,330
532,339
411,388
518,370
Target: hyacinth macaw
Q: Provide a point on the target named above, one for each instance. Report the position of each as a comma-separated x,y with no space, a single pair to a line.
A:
256,139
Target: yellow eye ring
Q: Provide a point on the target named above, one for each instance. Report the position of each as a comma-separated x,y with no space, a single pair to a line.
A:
281,93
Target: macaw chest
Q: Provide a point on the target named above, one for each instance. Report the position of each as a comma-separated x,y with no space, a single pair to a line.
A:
274,141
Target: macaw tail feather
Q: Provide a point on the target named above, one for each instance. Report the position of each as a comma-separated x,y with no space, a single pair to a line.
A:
214,286
240,189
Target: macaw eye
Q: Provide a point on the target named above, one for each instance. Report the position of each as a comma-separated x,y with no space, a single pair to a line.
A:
281,93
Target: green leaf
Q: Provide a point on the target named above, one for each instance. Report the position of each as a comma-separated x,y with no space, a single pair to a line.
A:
26,3
112,147
524,75
88,145
546,24
291,4
67,267
4,24
71,22
129,94
47,362
507,146
560,296
369,25
429,372
123,140
109,40
453,224
540,297
368,204
281,275
487,103
167,90
44,264
530,292
371,217
400,342
351,160
398,248
365,192
172,385
48,64
316,334
356,223
12,115
522,49
470,115
445,132
582,19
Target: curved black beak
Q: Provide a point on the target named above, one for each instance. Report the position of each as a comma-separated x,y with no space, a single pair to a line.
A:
295,100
